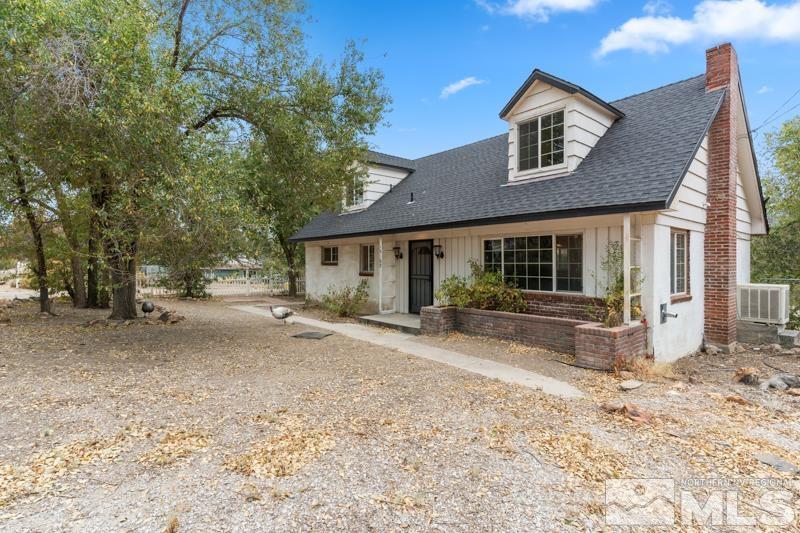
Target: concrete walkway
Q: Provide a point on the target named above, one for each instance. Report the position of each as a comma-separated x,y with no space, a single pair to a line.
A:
405,343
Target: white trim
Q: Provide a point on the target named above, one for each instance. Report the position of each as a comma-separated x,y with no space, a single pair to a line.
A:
530,116
554,234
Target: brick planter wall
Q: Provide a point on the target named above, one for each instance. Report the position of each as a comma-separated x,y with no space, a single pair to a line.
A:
574,306
597,347
554,333
437,320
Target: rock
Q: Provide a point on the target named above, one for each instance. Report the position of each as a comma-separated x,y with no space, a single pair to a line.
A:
735,398
793,392
776,347
611,407
778,463
636,413
96,322
781,381
250,492
626,374
630,384
170,317
748,375
712,350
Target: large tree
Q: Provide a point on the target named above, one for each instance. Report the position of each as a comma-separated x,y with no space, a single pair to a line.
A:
301,159
778,255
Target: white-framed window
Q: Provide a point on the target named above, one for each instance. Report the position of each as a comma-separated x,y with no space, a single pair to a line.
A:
354,192
330,255
367,260
679,262
538,262
541,142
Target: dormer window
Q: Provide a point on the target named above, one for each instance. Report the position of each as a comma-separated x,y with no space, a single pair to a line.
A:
354,193
541,142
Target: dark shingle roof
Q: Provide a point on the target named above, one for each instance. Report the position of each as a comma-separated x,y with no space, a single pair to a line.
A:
637,165
389,160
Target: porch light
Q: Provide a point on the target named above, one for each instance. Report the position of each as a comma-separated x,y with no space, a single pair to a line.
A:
438,251
398,252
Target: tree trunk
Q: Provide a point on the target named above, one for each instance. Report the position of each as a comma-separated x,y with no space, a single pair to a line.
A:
36,232
78,292
123,283
290,252
93,270
79,297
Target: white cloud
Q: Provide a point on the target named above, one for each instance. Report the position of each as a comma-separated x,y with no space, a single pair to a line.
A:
713,20
764,90
657,7
539,10
460,85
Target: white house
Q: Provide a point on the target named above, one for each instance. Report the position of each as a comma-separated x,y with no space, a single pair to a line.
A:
669,173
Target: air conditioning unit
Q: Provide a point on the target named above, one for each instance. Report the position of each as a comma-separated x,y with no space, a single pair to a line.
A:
764,303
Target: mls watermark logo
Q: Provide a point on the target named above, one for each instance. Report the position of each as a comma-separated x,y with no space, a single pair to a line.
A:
712,502
640,502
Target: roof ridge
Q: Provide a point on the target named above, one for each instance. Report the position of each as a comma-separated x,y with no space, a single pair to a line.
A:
390,155
461,146
658,88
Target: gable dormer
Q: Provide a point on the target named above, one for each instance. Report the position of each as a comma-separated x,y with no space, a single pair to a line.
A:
552,126
382,172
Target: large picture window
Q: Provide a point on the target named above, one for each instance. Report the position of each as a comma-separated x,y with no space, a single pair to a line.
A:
541,142
538,263
367,262
679,250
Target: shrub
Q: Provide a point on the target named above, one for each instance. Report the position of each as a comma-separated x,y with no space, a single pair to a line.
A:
612,267
346,301
484,289
794,318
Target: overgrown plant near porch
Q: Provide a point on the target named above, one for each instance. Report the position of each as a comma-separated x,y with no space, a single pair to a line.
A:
346,301
483,289
611,315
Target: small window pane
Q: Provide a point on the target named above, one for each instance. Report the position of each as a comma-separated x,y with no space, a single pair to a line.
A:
547,120
508,244
520,243
546,241
558,117
533,243
546,284
558,158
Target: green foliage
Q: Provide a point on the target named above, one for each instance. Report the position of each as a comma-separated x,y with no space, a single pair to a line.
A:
612,267
777,256
483,289
346,301
794,318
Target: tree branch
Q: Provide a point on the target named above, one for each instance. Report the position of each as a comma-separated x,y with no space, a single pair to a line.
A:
211,38
176,50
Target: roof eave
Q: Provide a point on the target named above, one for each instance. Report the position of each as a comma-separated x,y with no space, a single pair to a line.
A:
637,207
564,85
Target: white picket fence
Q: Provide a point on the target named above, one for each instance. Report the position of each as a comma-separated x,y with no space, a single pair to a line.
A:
149,285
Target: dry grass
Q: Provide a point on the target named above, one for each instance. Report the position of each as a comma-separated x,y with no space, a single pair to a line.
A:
175,445
44,469
282,455
579,454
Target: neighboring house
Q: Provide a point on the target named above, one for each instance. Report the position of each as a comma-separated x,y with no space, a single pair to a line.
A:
669,173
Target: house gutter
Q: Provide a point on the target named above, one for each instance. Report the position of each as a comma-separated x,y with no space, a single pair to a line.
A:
657,205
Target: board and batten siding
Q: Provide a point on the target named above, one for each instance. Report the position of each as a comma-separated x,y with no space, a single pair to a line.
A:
584,122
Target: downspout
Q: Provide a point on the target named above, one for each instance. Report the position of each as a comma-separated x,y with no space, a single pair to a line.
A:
380,275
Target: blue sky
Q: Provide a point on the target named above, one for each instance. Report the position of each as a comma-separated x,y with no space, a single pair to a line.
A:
612,48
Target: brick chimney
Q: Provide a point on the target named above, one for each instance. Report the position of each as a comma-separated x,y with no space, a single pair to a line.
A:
722,73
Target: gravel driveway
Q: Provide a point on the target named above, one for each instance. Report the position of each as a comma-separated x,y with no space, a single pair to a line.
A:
225,422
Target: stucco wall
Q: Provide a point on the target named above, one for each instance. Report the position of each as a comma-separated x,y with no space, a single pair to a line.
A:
682,335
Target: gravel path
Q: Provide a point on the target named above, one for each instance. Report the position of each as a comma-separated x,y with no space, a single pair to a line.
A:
225,422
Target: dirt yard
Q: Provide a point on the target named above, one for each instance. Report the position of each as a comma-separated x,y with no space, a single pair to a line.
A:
225,422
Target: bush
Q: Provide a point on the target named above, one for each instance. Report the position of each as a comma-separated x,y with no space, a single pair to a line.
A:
794,318
611,315
347,301
484,289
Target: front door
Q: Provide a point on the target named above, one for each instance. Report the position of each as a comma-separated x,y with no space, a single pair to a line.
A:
420,275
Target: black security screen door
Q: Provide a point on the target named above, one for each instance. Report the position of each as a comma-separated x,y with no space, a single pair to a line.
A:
420,275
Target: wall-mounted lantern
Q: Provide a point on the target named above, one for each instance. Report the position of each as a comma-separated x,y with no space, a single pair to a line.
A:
438,251
398,252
